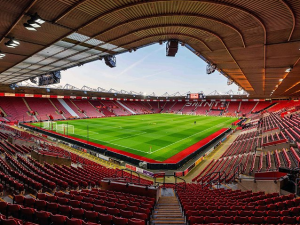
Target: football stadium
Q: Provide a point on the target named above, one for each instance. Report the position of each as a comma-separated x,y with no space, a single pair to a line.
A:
90,134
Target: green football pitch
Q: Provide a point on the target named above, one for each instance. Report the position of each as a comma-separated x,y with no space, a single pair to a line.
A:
155,136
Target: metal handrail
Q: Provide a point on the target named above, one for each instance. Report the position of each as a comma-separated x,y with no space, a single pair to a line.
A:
130,171
177,185
203,184
239,169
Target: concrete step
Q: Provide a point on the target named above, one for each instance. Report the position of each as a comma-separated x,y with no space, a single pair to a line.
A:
159,221
168,219
168,222
168,207
167,212
167,216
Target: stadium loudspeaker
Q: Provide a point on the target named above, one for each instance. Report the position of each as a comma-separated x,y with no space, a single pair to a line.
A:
172,48
110,60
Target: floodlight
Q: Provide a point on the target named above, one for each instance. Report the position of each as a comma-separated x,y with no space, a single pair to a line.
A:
35,22
13,86
289,69
2,55
12,43
29,27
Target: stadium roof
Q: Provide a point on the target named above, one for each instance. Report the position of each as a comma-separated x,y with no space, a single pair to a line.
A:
253,42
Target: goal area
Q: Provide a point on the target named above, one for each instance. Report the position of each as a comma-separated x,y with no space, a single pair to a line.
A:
49,125
65,128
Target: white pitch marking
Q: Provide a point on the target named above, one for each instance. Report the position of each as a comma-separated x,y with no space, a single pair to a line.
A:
187,137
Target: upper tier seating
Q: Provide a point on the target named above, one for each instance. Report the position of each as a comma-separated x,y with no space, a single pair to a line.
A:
15,109
262,105
203,108
60,107
43,107
88,108
246,107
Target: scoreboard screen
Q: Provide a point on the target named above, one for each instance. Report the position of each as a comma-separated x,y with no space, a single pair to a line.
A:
195,96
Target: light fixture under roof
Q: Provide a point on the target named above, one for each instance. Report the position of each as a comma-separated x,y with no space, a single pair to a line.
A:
289,69
35,22
12,43
29,27
280,79
2,55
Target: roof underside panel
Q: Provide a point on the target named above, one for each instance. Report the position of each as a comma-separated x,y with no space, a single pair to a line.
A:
252,42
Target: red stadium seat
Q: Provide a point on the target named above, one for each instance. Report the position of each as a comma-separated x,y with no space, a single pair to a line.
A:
74,203
42,217
11,222
40,204
52,207
105,219
77,213
120,221
256,220
3,208
126,214
272,220
58,219
196,220
27,214
29,202
64,210
18,199
113,211
241,220
73,221
91,216
136,222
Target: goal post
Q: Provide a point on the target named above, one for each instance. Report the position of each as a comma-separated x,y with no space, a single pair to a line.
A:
179,113
65,128
49,125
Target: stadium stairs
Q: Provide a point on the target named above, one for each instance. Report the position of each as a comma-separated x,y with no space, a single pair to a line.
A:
126,107
167,107
58,111
103,111
74,106
168,209
43,108
59,103
88,108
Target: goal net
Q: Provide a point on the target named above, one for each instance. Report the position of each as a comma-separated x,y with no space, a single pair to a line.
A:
49,125
65,129
193,113
179,113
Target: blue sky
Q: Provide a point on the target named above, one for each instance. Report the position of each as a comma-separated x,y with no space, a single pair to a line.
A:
149,70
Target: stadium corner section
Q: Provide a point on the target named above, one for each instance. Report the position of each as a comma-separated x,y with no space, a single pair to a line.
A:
171,163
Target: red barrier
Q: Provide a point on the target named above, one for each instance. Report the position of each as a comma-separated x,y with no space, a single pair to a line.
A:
274,142
269,175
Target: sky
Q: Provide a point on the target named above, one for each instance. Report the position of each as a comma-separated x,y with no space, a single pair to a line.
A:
149,70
